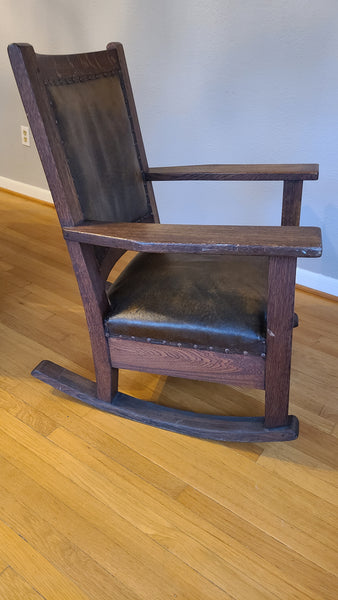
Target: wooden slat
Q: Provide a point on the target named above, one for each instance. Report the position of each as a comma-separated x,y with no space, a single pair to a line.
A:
233,369
234,172
204,239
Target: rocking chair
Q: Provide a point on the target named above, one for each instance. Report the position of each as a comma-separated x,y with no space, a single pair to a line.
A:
212,303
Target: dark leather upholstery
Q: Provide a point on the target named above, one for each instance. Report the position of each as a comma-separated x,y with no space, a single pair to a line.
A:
212,302
99,145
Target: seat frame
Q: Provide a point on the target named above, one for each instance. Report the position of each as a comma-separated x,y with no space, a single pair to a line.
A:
95,248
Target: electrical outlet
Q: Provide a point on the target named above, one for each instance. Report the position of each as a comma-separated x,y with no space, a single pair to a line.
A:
25,137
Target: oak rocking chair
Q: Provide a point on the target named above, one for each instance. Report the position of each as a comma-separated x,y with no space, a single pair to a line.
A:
211,303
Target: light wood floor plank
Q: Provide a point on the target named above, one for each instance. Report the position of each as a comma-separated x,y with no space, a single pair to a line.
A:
226,548
27,414
273,505
130,502
3,566
130,555
305,573
95,507
13,586
36,570
66,556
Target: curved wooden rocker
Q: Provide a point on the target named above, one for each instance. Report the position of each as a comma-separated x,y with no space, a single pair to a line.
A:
212,303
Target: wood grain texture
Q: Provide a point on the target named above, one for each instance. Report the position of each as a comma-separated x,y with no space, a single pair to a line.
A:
213,239
292,200
13,586
234,172
92,290
102,509
35,568
135,124
190,363
45,132
280,316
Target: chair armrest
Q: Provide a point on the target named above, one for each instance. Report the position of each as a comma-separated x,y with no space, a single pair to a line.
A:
200,239
234,173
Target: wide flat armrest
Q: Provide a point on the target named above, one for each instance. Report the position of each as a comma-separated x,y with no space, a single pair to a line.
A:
200,239
234,173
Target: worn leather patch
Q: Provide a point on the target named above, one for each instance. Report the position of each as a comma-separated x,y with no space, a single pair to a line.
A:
96,132
212,302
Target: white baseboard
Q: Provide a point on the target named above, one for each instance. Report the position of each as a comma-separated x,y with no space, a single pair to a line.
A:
315,281
26,189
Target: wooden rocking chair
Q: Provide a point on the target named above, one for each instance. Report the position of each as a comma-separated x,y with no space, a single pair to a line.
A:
211,303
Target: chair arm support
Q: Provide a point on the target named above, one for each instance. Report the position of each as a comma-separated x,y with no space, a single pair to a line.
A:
200,239
234,173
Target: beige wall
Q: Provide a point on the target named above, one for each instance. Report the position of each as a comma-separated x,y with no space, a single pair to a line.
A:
214,81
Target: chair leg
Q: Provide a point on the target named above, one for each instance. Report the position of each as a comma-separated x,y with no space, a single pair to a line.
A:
106,383
279,339
92,289
277,402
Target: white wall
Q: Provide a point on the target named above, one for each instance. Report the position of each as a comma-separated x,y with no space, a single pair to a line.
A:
214,81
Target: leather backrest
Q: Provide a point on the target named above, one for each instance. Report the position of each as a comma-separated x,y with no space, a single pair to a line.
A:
96,132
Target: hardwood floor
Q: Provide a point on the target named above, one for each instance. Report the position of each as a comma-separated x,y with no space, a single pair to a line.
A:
96,507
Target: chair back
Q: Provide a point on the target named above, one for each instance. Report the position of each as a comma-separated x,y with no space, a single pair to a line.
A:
81,110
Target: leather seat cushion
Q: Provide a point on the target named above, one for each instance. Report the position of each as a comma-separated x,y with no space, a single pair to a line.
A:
212,302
